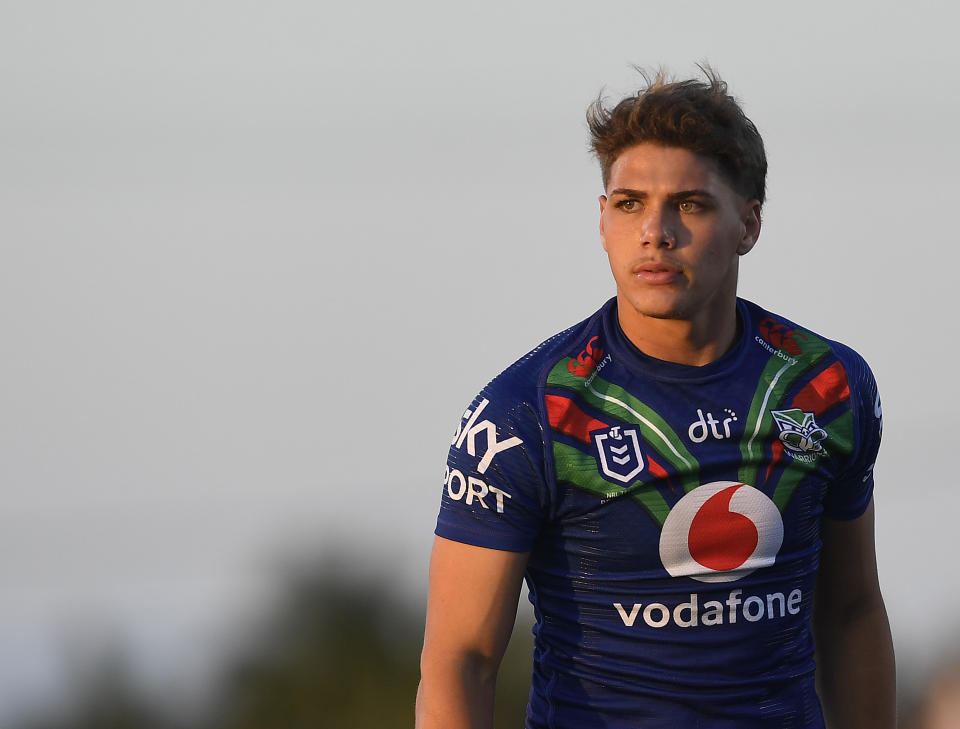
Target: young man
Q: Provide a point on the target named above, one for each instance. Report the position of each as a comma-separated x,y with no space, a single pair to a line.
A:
672,476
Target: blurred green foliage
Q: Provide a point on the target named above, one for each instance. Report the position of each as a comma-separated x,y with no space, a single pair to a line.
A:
338,653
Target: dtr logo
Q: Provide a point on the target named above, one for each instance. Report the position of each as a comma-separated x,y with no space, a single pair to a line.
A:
618,452
698,430
721,532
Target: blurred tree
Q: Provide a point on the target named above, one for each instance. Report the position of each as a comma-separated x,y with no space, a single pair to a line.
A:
344,654
103,695
338,652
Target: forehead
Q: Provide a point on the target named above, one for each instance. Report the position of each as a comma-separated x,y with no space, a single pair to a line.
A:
653,167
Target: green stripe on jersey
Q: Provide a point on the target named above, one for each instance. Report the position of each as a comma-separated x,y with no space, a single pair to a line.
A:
620,404
580,469
777,377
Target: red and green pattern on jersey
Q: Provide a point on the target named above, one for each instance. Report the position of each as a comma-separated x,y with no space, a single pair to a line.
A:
813,381
671,469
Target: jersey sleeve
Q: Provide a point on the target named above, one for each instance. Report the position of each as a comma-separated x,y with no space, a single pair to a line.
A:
850,494
494,491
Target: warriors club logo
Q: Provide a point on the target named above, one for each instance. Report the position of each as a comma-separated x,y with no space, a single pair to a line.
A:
799,431
721,532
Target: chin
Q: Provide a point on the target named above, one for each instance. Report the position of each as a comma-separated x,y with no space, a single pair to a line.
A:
657,307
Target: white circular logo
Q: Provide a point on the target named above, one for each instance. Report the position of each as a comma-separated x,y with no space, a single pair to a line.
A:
721,532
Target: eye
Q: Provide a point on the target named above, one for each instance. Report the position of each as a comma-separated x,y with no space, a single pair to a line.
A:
628,205
688,206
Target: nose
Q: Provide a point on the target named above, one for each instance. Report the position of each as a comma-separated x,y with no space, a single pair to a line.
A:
657,228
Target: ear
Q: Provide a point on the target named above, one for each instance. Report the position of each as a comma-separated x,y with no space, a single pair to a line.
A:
603,206
750,224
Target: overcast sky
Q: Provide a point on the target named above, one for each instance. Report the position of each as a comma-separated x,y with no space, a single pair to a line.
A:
256,258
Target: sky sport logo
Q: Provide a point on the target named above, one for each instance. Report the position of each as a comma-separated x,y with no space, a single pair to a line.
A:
719,532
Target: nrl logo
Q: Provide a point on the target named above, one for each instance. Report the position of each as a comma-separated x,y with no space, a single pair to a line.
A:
618,452
799,432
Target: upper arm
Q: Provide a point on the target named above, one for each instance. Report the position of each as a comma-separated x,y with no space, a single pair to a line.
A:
472,602
847,581
856,668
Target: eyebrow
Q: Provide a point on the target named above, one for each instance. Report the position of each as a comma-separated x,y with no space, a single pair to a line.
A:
679,195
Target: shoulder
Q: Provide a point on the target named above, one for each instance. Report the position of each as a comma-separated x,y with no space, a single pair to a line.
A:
795,340
509,410
496,483
575,347
825,383
832,398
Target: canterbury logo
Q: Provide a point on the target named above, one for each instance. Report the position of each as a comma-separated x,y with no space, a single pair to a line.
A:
586,361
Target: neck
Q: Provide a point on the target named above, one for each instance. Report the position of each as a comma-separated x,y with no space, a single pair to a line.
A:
697,341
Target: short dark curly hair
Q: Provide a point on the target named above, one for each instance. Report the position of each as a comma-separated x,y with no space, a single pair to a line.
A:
696,115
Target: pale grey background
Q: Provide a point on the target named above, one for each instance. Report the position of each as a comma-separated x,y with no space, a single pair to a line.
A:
257,257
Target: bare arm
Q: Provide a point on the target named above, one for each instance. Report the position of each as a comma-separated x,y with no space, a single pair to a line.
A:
856,673
471,609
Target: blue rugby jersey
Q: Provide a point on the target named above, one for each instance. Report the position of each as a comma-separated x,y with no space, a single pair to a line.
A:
672,517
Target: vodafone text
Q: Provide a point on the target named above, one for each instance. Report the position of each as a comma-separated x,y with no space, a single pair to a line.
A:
470,488
714,612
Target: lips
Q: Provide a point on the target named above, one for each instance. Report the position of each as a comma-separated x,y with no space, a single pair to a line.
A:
657,273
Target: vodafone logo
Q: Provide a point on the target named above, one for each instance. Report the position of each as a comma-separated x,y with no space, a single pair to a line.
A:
721,532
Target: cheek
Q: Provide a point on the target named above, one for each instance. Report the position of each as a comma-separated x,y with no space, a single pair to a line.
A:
619,257
618,240
718,245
